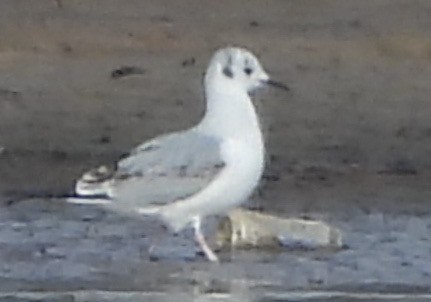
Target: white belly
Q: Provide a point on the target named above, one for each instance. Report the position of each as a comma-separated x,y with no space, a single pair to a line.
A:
231,187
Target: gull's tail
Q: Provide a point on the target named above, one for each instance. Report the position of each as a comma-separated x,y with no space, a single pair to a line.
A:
91,189
95,182
88,200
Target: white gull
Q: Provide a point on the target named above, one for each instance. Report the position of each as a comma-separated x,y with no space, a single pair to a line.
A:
208,169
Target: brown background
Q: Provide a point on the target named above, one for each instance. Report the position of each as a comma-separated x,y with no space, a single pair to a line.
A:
359,73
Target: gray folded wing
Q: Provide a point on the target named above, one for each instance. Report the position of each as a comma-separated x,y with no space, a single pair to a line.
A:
168,168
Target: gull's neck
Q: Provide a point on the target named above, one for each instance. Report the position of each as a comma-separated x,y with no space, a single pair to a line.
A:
230,112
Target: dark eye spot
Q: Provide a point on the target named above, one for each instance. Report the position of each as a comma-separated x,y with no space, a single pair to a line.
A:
227,71
248,71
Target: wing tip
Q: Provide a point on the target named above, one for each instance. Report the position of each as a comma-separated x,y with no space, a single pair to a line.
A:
94,182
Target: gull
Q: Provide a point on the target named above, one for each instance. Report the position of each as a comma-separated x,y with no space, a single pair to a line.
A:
208,169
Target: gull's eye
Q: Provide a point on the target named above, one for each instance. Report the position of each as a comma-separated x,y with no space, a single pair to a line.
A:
248,71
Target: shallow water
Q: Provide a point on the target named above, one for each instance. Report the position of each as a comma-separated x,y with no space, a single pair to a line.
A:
47,245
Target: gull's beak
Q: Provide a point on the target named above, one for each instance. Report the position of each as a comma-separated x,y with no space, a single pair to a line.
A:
276,84
265,79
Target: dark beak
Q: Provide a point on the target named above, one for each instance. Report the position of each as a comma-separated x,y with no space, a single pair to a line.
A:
277,85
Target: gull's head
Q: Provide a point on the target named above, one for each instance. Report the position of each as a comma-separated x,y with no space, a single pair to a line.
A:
238,67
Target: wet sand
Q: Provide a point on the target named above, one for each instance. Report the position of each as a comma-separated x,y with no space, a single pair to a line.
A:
350,144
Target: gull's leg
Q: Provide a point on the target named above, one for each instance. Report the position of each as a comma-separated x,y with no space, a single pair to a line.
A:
200,239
